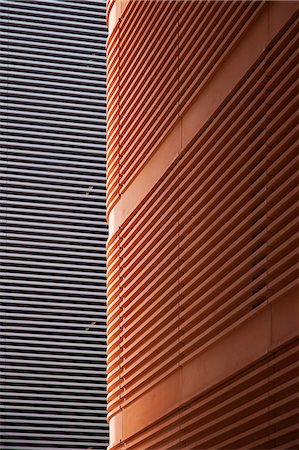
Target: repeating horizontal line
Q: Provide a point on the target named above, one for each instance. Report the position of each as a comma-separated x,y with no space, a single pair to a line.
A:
53,224
204,247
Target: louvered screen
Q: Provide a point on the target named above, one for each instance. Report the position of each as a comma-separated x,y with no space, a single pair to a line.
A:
203,268
53,225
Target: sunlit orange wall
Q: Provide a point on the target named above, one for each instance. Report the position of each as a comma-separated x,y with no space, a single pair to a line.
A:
202,201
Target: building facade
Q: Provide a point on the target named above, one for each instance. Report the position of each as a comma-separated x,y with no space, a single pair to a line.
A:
53,225
202,203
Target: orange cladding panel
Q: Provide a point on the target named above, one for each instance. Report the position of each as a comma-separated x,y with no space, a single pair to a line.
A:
202,205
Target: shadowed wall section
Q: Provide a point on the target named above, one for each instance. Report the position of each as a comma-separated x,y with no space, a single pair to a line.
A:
53,228
202,203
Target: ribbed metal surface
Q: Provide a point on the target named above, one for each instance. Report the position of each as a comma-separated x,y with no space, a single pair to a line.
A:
262,402
164,61
53,228
211,248
223,249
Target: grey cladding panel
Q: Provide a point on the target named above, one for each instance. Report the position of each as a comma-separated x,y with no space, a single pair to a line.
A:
53,228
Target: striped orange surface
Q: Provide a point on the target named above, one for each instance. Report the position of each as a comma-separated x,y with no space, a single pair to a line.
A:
203,267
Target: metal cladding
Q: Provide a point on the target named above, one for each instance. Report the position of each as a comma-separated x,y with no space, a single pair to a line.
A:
53,224
202,203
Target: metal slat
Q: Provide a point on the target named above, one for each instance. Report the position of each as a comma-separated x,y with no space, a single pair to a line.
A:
53,227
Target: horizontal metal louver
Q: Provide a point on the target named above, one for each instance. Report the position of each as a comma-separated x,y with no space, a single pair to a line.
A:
53,226
202,204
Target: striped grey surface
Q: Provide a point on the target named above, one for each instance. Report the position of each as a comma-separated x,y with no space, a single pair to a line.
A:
53,228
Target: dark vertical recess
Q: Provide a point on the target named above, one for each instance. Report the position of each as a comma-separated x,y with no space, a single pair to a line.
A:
53,228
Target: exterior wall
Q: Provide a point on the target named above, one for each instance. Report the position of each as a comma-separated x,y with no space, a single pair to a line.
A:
53,225
202,199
